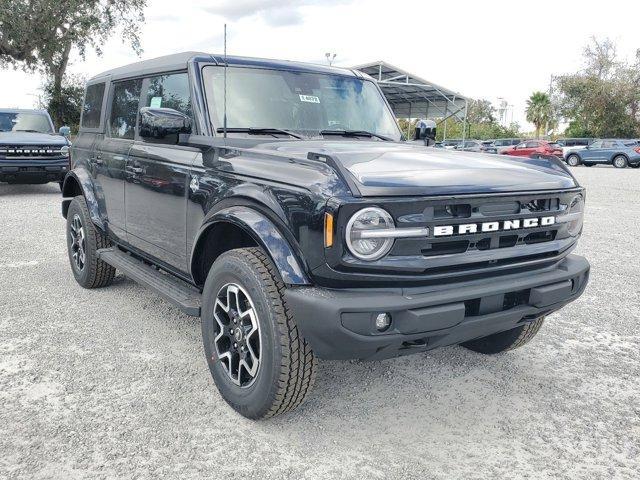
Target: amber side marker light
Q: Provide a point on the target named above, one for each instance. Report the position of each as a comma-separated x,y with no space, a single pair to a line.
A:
328,230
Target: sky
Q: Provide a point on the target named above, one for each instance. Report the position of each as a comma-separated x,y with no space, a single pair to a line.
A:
482,49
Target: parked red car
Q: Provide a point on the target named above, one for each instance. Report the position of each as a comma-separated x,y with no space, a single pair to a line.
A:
530,148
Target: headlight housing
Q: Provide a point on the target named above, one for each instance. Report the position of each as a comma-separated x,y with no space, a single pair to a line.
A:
361,237
64,151
574,216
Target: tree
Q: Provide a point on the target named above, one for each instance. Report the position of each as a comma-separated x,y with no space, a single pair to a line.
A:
602,100
68,104
40,35
539,110
481,111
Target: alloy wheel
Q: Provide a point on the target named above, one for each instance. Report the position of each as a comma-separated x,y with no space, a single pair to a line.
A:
237,339
78,242
620,161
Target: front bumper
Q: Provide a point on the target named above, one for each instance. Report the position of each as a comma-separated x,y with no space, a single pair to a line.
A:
33,171
339,324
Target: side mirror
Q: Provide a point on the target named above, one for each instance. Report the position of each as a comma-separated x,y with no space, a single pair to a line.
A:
163,125
65,131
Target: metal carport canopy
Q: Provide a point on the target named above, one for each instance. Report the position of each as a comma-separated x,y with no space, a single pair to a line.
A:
413,97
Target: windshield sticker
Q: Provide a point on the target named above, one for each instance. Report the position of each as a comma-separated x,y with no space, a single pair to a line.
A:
309,99
156,102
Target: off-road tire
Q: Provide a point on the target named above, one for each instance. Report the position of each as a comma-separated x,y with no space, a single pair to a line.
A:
287,364
620,161
637,165
96,273
573,160
504,341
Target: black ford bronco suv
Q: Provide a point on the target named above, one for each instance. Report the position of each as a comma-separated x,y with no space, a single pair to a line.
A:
279,202
30,151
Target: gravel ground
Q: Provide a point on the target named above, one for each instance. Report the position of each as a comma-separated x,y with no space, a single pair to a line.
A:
112,383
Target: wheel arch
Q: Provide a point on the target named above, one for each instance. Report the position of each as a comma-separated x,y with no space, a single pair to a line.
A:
619,154
239,226
78,182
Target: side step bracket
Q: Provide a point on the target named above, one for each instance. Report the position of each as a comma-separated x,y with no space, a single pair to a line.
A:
187,298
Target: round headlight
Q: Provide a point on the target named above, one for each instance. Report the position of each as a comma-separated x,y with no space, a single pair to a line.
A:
575,215
64,151
361,233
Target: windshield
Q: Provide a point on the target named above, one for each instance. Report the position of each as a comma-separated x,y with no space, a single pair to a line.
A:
304,103
24,122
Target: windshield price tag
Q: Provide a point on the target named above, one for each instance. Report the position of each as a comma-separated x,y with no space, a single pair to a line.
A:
309,99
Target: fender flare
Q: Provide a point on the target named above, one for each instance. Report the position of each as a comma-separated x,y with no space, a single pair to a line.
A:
266,234
83,180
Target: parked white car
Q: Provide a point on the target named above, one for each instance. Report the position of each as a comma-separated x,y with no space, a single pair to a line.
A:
573,144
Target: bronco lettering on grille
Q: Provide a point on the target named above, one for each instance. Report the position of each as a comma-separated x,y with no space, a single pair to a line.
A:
502,225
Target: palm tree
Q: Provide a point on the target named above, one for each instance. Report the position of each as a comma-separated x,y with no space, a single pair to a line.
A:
539,110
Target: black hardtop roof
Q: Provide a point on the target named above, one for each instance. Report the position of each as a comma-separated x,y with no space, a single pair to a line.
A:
178,61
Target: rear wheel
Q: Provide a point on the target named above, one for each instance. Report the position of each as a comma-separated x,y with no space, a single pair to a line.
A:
83,242
573,160
260,363
504,341
620,161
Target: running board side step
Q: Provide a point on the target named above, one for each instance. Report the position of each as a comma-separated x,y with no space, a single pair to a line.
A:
183,296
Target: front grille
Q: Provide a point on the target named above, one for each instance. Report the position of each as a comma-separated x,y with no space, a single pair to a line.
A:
505,239
478,211
30,151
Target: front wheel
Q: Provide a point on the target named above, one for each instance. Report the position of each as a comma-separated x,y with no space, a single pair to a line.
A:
573,160
259,361
504,341
620,161
83,242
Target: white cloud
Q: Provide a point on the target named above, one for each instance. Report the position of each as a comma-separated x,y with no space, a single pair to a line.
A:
483,49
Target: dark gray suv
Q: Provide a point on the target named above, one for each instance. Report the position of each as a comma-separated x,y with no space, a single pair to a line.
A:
30,150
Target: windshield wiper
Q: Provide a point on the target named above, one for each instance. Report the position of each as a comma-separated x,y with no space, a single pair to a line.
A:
259,131
355,133
29,131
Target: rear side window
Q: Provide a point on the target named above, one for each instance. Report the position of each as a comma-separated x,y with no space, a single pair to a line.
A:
92,108
169,91
124,109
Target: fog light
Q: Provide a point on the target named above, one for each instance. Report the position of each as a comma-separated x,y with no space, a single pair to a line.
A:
383,320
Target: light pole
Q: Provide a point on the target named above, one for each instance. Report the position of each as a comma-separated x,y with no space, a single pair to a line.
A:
546,125
330,57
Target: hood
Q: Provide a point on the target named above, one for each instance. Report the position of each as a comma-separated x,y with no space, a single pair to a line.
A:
31,138
385,168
